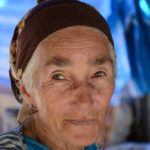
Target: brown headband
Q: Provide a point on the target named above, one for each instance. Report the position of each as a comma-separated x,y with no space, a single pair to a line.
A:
41,21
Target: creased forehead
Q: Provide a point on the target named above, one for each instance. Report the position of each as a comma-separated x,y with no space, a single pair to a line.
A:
73,34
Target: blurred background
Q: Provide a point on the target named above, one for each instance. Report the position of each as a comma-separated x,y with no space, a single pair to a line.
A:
128,121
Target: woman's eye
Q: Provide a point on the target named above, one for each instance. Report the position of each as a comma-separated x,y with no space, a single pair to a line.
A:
58,77
99,74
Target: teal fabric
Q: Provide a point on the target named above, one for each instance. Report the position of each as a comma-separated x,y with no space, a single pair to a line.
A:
92,147
34,145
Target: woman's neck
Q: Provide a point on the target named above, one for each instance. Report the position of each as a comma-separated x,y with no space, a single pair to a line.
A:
39,133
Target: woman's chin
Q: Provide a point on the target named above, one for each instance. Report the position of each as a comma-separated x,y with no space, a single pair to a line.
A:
81,140
81,137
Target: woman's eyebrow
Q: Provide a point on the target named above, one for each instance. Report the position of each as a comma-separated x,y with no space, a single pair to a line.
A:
58,61
102,60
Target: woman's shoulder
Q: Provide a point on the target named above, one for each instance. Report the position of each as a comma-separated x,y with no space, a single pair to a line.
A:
10,140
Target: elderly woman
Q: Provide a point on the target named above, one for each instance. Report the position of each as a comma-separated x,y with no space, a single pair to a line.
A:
62,69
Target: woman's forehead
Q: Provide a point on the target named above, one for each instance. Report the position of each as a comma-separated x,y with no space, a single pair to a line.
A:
75,34
84,46
74,41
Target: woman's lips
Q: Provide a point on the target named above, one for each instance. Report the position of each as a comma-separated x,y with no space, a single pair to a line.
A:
81,122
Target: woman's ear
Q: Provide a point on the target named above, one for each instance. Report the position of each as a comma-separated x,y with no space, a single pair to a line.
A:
28,107
25,94
23,90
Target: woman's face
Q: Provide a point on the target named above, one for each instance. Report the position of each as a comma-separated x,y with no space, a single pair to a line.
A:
73,84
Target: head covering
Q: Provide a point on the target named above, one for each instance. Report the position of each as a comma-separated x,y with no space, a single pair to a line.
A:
42,20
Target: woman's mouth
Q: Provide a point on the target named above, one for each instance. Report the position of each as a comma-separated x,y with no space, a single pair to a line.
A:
81,122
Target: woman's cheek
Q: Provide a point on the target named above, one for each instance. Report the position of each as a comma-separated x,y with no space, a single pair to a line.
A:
103,92
105,85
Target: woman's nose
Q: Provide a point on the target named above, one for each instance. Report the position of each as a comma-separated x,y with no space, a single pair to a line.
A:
83,94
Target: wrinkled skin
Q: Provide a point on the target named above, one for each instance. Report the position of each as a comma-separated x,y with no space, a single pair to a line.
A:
72,87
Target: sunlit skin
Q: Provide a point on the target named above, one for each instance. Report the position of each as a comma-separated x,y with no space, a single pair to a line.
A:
72,87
